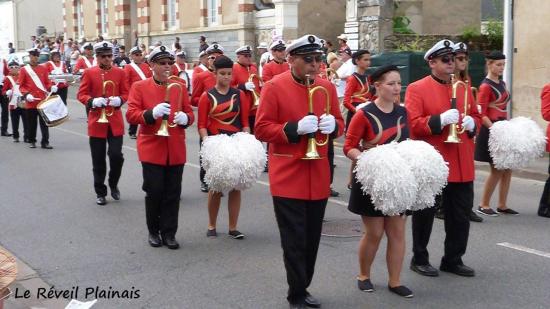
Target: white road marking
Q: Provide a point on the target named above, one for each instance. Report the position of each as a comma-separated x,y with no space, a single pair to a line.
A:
192,164
525,249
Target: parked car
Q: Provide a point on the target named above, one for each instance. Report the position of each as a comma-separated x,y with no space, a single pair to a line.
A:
21,57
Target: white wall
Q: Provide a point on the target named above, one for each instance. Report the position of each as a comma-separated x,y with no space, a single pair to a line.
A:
6,27
33,13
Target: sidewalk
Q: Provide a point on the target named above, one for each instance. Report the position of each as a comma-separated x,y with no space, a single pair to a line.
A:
537,170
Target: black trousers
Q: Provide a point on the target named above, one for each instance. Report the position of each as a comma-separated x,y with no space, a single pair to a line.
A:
4,117
62,93
300,223
162,186
544,204
33,118
132,130
98,147
457,200
251,123
330,156
16,115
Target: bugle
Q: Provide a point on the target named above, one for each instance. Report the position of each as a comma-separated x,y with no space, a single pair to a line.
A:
312,143
454,130
163,130
255,92
104,114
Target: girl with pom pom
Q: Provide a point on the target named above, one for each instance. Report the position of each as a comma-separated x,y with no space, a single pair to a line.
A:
544,205
494,99
223,110
376,124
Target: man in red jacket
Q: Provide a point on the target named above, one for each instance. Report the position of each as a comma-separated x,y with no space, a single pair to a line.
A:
428,103
544,205
56,67
35,86
104,89
162,157
4,117
86,60
243,69
137,70
278,64
300,188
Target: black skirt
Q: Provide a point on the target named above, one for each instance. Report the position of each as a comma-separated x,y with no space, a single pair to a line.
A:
482,153
361,204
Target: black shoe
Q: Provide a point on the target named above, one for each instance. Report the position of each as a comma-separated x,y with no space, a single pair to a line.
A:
439,214
311,301
33,145
365,285
211,233
115,193
401,291
461,270
6,134
507,211
100,200
46,146
297,306
544,211
132,136
236,234
26,140
154,240
170,242
204,188
334,193
475,218
425,270
16,140
486,212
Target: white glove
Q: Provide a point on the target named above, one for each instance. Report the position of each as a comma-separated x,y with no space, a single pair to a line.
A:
54,88
99,102
181,118
336,82
327,124
468,123
249,86
29,98
308,124
9,92
115,101
448,117
161,109
360,106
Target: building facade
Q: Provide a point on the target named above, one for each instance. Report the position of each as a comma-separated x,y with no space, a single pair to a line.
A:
232,23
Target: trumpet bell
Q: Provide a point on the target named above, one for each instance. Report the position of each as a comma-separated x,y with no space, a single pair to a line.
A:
103,117
163,130
453,138
311,152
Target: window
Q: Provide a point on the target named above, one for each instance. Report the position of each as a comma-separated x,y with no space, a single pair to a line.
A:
172,14
103,16
212,7
79,21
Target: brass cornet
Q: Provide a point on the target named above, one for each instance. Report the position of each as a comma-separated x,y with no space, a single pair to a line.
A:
255,92
103,117
312,143
453,127
163,130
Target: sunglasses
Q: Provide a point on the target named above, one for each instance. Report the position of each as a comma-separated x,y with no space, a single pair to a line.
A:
212,57
311,58
462,58
165,62
447,59
106,56
246,55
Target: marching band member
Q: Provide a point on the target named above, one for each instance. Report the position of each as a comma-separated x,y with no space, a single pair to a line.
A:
162,157
223,110
103,89
180,68
379,123
203,82
278,64
428,103
4,117
544,205
300,188
203,64
243,70
493,97
55,66
12,91
137,70
86,60
35,85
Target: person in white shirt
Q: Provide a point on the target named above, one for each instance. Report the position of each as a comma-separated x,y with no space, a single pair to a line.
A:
346,70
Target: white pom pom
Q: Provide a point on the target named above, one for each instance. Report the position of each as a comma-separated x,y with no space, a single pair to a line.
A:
429,170
387,178
232,162
515,143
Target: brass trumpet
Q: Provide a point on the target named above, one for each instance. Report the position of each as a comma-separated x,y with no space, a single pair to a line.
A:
255,92
312,143
103,117
453,127
163,130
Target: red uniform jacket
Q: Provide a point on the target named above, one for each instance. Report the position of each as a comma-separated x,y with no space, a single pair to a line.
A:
81,64
223,114
545,108
492,101
51,66
91,87
199,69
7,86
202,82
284,103
357,91
6,70
240,77
425,100
161,150
272,68
27,85
132,76
177,68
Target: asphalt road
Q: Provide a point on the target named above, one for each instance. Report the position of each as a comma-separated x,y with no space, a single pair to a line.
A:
49,220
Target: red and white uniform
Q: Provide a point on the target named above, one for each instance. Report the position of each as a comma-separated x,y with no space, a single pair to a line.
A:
28,85
58,68
425,100
201,83
272,68
136,72
177,68
199,69
241,75
357,91
83,63
8,85
4,70
284,103
160,150
91,87
545,108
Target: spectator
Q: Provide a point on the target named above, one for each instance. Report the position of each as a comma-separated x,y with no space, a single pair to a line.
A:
34,42
116,48
66,55
122,58
202,43
343,42
346,70
11,50
176,46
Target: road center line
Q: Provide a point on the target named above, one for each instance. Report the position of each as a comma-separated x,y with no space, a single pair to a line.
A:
524,249
190,164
